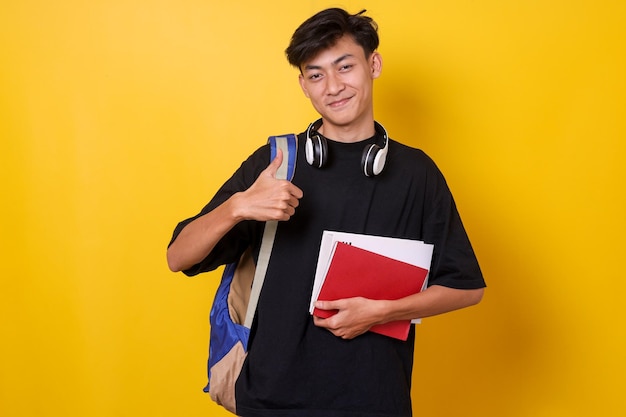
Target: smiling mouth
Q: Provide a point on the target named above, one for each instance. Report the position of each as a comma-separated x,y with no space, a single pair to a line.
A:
339,103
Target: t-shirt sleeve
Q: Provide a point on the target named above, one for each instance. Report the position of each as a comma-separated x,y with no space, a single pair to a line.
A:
454,262
243,234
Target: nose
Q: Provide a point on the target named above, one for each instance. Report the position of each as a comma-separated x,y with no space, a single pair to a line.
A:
334,84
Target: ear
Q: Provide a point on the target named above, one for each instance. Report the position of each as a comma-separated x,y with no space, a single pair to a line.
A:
376,64
304,90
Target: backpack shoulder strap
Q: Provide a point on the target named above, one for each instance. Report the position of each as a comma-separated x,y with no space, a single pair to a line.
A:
289,146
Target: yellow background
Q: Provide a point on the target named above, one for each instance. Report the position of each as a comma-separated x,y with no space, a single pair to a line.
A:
119,118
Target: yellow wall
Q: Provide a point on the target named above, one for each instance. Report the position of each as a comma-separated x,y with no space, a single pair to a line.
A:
118,118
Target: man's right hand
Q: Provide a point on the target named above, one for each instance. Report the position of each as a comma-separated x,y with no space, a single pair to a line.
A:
269,198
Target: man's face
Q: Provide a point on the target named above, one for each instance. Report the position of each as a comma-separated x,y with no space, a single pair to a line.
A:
339,82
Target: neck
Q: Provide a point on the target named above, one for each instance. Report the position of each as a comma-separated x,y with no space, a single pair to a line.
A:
350,133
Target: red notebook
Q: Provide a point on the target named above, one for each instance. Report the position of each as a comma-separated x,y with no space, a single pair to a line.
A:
355,272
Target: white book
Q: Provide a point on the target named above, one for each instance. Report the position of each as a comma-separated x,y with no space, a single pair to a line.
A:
414,252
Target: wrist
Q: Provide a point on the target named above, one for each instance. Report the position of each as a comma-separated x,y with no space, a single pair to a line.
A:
236,208
382,311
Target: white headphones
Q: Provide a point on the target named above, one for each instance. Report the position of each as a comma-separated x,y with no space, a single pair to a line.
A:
372,161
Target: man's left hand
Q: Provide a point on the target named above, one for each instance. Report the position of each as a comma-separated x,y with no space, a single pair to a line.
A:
355,316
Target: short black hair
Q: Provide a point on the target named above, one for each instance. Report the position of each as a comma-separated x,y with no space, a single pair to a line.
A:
324,29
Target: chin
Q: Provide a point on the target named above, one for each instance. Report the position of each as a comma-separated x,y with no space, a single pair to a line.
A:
339,119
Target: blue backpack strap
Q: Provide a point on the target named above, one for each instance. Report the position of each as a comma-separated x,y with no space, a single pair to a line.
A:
289,145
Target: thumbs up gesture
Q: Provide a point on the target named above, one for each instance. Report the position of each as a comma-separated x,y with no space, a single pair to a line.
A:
270,198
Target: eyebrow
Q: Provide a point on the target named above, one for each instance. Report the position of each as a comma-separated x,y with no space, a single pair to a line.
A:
335,62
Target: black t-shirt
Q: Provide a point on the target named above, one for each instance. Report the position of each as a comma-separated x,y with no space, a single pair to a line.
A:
294,368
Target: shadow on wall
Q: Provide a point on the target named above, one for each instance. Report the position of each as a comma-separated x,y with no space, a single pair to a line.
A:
497,350
404,109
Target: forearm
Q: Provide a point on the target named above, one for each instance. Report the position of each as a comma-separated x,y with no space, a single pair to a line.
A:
433,301
198,238
357,315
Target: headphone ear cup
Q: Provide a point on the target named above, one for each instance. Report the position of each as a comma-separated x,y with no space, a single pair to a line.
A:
368,159
316,151
373,160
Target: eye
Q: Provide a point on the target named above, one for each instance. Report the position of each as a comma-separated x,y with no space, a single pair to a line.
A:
346,67
315,76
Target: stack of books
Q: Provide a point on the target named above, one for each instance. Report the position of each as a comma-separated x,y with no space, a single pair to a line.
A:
374,267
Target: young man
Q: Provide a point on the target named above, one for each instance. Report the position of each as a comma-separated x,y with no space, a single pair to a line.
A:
299,365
